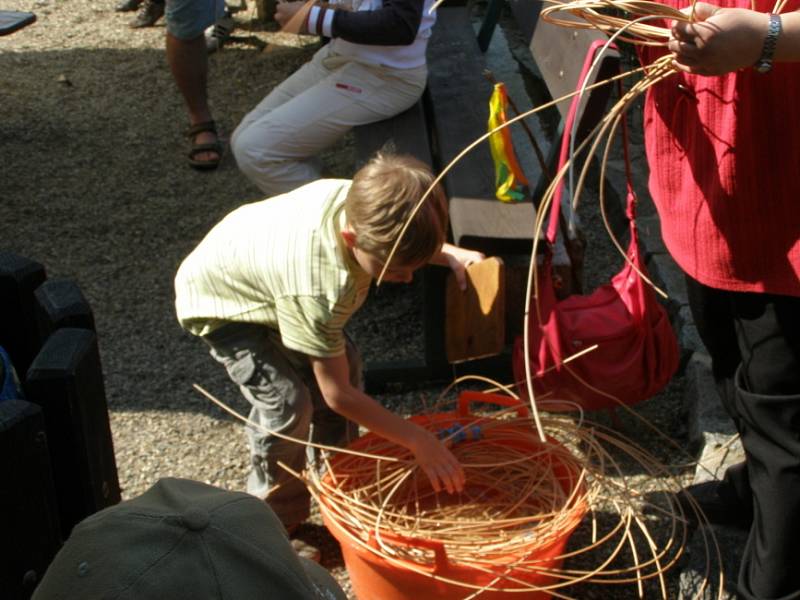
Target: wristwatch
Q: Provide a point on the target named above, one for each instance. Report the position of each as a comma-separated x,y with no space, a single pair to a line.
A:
764,63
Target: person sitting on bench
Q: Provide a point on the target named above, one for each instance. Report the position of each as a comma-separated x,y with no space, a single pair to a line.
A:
372,69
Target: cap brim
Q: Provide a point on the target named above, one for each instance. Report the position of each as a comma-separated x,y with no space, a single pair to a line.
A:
325,584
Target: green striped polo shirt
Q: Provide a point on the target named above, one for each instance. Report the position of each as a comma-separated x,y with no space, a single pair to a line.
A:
281,263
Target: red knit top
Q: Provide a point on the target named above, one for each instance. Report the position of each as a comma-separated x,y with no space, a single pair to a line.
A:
724,155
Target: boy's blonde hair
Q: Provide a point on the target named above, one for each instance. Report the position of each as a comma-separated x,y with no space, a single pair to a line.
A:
383,195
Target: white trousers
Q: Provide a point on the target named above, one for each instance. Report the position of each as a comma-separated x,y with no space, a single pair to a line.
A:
276,143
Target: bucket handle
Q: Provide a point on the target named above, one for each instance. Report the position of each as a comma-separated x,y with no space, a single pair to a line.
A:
439,552
466,397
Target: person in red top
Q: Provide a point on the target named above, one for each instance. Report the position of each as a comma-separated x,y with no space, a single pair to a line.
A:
723,144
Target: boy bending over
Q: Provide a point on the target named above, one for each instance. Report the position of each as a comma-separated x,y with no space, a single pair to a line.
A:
270,289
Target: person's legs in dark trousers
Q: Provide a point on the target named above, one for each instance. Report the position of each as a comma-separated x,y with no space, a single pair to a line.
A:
764,400
712,314
767,396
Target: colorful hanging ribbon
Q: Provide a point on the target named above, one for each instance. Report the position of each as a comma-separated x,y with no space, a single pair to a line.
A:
510,181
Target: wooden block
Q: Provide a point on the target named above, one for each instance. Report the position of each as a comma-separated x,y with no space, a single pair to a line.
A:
475,220
559,53
19,278
475,318
66,380
60,303
31,535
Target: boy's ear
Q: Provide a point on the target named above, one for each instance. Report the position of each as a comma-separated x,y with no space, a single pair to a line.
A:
349,238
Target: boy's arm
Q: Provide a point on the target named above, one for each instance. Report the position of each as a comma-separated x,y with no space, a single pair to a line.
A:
438,463
458,259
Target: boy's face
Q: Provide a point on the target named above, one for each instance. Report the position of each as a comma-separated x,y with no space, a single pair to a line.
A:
373,266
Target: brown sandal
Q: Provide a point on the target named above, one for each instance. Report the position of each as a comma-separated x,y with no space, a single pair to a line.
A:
216,147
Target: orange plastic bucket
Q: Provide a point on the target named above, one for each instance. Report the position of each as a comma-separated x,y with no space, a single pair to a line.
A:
376,576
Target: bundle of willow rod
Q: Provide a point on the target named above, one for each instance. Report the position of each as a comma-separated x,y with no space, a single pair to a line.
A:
521,496
604,15
604,485
525,488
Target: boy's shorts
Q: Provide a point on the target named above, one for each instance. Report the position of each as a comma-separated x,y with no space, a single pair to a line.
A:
188,19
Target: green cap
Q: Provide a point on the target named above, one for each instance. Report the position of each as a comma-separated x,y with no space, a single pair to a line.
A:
184,540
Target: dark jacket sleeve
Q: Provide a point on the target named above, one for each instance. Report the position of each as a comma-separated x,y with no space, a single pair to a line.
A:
395,24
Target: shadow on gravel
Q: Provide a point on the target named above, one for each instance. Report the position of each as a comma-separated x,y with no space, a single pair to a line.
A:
96,187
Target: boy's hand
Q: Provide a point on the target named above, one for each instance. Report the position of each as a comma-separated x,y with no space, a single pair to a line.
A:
720,40
458,259
438,463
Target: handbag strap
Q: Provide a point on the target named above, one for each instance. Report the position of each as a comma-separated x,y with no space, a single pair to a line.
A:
555,208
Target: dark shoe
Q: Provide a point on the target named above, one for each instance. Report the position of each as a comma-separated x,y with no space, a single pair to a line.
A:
201,148
718,503
127,5
148,14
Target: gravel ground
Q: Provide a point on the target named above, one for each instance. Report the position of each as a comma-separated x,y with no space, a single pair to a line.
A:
96,187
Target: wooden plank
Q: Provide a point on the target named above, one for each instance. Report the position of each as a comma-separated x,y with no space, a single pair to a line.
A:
559,53
66,380
475,317
19,278
459,103
406,133
31,535
490,218
459,109
14,20
61,303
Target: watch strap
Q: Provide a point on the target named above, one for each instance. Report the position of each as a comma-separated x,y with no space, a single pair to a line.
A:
764,63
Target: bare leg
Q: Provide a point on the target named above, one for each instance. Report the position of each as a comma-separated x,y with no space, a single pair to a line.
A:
188,61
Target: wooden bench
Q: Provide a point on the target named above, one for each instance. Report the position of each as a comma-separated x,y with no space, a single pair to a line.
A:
13,20
58,458
452,113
